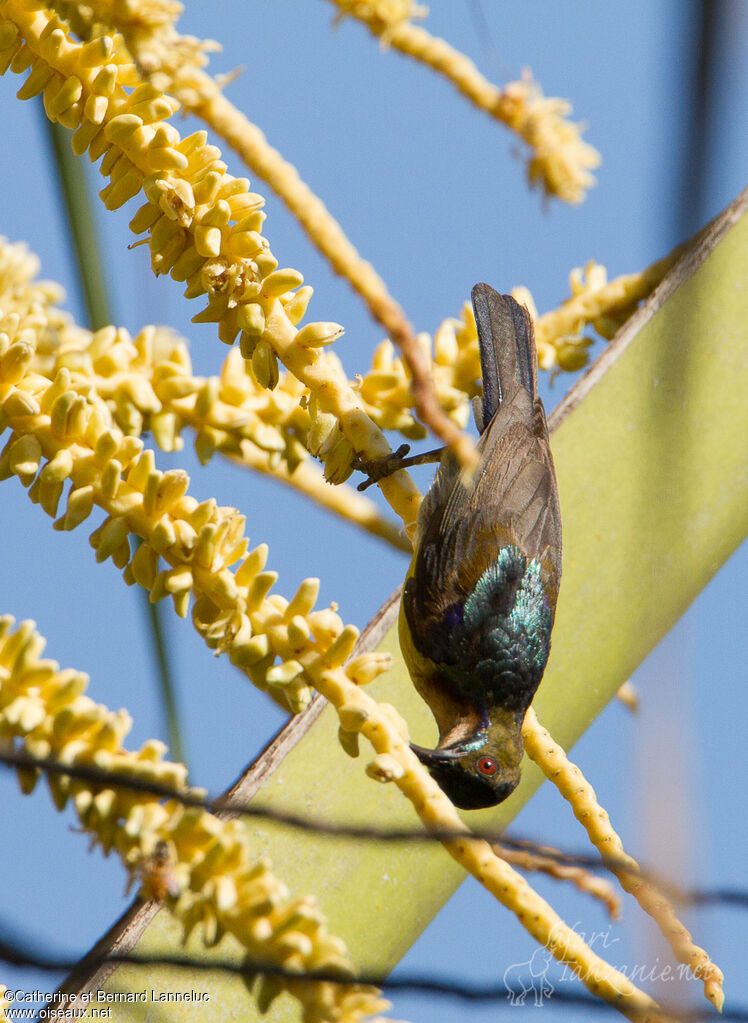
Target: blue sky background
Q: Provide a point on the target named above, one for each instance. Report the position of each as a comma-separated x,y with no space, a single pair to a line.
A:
433,194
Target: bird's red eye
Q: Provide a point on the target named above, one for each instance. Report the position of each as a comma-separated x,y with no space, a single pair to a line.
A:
487,765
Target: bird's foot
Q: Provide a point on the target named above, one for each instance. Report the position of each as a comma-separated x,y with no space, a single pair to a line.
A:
377,469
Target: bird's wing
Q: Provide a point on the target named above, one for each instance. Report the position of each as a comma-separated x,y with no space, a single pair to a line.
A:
512,501
511,498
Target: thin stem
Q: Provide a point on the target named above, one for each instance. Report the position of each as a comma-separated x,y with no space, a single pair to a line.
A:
165,675
89,262
80,220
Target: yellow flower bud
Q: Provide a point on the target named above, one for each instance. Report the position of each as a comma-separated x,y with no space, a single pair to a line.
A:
298,632
49,495
86,133
177,579
259,588
79,507
326,625
145,566
221,588
303,600
323,431
265,365
339,461
349,742
69,94
15,362
341,649
205,444
20,403
118,193
58,468
571,356
266,263
251,319
25,454
278,282
141,469
251,652
296,304
546,355
8,35
208,240
284,673
228,327
37,81
165,428
385,768
244,206
368,666
246,244
109,536
316,335
352,717
253,563
97,52
181,602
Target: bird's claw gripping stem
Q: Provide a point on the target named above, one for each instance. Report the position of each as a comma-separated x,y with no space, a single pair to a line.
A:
377,469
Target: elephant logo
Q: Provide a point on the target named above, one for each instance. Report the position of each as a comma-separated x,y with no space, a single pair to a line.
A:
519,986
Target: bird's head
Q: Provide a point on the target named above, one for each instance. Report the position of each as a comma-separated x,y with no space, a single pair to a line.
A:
475,773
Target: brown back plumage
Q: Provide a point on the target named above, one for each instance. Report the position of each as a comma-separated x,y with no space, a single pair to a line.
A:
512,497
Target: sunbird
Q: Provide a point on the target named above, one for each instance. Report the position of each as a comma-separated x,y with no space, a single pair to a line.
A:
480,598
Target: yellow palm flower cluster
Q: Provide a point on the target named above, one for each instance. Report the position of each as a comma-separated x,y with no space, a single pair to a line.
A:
213,879
148,29
203,224
148,385
547,860
560,160
65,442
394,762
455,371
455,357
176,63
605,305
568,778
382,16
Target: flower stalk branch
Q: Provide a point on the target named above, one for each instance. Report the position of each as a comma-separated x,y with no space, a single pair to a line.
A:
574,787
198,865
560,160
202,224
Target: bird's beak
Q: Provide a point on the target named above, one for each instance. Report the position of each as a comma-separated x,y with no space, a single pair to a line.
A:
432,757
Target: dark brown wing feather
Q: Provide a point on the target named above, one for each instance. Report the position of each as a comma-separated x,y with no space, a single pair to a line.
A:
507,348
512,497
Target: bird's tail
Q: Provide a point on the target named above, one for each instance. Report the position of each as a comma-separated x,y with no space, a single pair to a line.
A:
507,348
